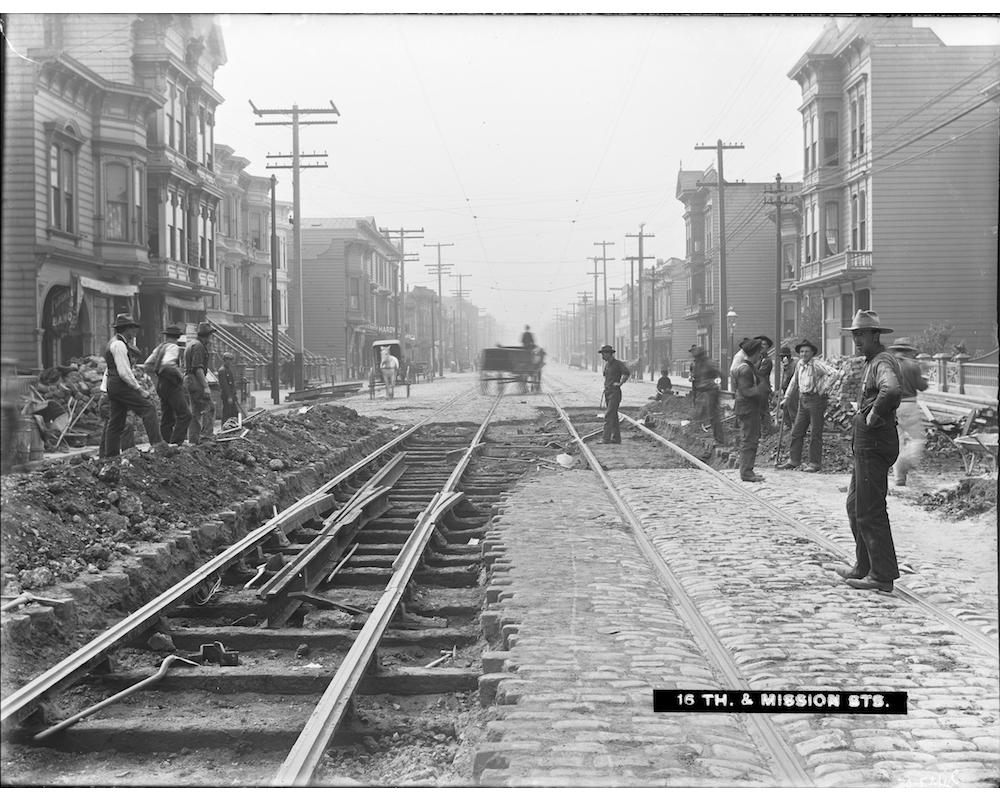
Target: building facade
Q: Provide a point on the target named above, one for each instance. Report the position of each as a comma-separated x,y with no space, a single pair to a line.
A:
899,190
110,194
351,271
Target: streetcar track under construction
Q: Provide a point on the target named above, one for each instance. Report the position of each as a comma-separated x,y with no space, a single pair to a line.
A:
368,586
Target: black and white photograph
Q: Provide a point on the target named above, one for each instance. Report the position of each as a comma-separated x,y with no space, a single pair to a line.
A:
534,399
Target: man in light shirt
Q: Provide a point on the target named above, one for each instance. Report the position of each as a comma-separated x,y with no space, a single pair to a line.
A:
164,362
812,380
124,392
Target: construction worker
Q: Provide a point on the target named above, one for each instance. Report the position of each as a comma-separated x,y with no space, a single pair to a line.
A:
196,356
749,391
165,364
908,417
227,387
812,380
705,377
123,390
876,445
615,374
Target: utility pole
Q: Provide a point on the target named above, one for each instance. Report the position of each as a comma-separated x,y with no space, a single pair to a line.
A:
275,299
780,199
640,258
719,147
461,296
614,315
583,322
439,270
604,266
596,275
403,234
295,112
572,331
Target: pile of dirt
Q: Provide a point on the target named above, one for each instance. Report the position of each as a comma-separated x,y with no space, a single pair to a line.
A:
76,514
972,496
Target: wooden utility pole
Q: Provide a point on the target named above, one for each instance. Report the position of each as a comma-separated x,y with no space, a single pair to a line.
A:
719,147
275,299
403,234
439,269
640,258
297,322
614,316
779,200
583,322
596,273
460,294
604,268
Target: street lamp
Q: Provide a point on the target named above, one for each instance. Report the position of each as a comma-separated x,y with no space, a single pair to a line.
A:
732,316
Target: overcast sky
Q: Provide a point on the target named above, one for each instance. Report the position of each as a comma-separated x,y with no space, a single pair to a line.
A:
523,140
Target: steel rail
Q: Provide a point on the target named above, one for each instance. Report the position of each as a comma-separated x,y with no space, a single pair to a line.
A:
786,757
307,752
982,641
23,702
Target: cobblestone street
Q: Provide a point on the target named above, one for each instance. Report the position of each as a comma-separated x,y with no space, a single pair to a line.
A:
592,630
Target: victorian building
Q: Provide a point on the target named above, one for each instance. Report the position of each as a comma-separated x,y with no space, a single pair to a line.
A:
899,190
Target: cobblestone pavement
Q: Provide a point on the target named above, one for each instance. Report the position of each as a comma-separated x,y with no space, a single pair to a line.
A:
594,631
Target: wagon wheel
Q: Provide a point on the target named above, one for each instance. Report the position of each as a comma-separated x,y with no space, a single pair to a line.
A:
523,381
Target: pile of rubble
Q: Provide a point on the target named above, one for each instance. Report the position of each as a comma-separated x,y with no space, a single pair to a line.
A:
64,403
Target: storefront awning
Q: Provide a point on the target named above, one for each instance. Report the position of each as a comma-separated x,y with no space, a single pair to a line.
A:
185,305
106,287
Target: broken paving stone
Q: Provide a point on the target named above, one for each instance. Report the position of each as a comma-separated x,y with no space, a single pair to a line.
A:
160,643
302,650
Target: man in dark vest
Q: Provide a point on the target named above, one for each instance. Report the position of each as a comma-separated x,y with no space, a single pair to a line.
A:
749,391
876,446
123,390
165,363
196,356
615,374
764,369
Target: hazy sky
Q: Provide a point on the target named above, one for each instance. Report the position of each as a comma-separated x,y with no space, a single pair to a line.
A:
523,140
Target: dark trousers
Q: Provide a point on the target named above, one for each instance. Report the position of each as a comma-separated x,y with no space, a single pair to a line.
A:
175,414
810,415
706,403
127,438
749,422
229,408
875,451
123,398
202,410
612,433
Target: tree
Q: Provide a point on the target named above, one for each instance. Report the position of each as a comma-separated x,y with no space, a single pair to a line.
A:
934,338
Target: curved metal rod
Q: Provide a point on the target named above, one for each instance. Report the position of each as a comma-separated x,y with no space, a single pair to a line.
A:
70,721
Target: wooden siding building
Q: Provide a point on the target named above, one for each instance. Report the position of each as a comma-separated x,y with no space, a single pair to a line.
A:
751,267
900,185
350,278
109,190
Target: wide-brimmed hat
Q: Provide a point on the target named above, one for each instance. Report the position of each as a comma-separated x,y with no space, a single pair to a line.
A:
606,349
806,343
205,328
697,350
867,321
751,346
903,343
123,321
785,351
766,340
172,330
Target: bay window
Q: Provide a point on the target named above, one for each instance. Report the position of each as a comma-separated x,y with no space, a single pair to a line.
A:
116,204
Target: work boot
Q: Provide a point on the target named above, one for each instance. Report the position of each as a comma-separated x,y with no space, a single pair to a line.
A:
787,465
752,478
811,468
871,583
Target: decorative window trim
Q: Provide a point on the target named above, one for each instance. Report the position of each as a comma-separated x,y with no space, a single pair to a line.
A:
64,135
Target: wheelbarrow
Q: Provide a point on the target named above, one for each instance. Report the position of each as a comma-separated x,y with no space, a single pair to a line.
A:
975,446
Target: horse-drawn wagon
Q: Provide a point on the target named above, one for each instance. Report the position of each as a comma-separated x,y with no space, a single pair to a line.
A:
502,366
381,351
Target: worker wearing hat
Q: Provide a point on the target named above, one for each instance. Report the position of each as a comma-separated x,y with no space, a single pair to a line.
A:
749,391
764,369
909,420
227,387
705,377
615,374
196,359
812,381
876,446
123,390
786,370
165,363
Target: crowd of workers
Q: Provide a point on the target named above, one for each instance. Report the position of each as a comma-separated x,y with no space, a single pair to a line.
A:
887,430
179,370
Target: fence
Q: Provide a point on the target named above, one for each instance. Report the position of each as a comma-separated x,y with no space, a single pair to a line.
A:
959,375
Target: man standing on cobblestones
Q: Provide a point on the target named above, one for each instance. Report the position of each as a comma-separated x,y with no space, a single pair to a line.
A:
615,374
705,392
812,380
876,446
750,391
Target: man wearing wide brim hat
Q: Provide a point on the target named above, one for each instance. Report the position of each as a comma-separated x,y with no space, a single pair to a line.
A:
165,363
876,447
123,390
196,361
909,420
615,374
812,381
